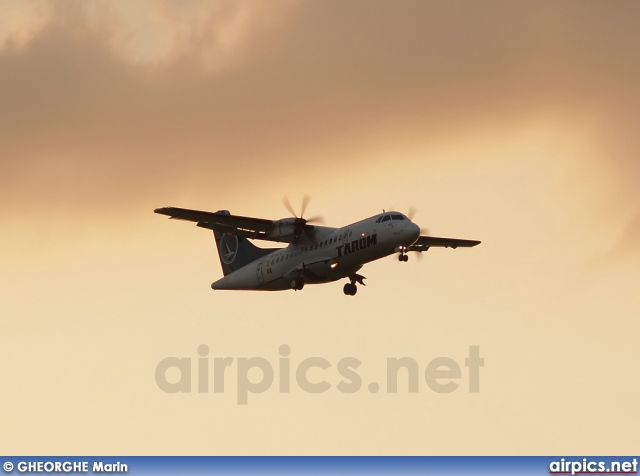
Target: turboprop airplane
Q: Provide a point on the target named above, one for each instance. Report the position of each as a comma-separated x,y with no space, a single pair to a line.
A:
314,255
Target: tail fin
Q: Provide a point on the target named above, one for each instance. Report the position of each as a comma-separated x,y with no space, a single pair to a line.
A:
236,251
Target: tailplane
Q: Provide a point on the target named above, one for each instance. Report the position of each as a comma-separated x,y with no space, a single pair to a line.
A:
236,251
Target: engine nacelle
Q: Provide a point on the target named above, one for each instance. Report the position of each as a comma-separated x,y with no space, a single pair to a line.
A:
288,228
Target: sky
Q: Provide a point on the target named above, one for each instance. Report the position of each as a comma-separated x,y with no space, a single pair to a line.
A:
508,122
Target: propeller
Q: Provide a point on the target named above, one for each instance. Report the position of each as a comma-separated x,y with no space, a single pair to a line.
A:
411,213
287,205
300,221
423,231
305,201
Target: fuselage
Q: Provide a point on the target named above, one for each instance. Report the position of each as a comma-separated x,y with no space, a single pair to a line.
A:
325,254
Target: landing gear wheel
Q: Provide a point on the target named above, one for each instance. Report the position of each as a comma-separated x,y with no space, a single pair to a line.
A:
350,289
297,284
403,257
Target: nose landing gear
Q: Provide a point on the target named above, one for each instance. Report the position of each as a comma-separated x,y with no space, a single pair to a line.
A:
297,284
402,256
350,289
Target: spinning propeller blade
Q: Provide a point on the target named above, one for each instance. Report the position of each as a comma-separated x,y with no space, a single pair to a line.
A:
300,219
287,205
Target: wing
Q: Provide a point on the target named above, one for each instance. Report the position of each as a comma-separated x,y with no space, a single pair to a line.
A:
248,227
425,242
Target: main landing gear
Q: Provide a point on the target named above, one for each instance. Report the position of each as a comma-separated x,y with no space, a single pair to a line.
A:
350,289
297,284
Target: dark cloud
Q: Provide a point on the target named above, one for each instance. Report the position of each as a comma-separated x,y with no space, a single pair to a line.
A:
79,121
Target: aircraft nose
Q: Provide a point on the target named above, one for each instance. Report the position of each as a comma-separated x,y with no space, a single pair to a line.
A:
414,231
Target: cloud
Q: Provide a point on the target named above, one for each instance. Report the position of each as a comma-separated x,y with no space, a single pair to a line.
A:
147,33
21,22
144,96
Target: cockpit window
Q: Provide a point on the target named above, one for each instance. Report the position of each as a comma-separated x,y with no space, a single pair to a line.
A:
379,220
386,218
397,217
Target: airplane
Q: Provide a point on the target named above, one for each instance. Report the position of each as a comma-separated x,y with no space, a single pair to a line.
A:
314,254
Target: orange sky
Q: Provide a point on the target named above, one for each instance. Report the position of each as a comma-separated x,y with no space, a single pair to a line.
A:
507,122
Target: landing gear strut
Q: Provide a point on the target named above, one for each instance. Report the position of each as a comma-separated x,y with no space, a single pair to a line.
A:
350,289
297,284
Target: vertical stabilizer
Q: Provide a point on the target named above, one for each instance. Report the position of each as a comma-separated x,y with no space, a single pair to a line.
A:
236,251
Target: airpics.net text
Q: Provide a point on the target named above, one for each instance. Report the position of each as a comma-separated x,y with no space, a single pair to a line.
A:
255,375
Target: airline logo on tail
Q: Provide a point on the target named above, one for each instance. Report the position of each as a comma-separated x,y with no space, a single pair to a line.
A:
228,248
